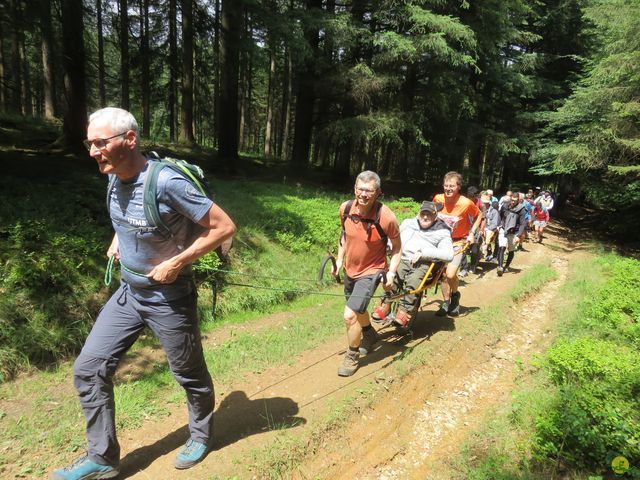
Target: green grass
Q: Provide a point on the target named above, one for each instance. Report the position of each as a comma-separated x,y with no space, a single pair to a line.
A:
52,257
533,280
578,407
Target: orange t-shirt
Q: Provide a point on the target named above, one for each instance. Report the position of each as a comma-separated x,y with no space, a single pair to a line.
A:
459,214
364,252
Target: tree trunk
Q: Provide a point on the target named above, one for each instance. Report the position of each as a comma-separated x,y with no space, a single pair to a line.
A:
248,118
124,54
48,76
173,69
268,131
144,67
228,96
75,116
186,115
25,93
3,79
285,114
216,66
242,100
15,86
102,91
305,97
408,101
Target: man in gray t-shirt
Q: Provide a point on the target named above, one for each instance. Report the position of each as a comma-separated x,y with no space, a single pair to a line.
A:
156,291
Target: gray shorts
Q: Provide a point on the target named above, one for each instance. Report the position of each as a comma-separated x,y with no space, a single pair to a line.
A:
457,257
359,291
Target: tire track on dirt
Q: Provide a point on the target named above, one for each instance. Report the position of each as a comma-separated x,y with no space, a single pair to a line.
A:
444,422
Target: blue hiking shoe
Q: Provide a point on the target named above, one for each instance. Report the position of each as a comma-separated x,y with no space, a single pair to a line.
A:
85,469
192,453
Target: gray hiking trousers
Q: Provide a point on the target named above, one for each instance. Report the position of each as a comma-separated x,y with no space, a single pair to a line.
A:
408,277
117,327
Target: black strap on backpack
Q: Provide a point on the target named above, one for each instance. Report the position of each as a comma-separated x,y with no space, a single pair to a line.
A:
369,221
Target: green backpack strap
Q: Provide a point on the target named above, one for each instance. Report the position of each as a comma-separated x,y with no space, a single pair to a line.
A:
112,182
149,197
192,173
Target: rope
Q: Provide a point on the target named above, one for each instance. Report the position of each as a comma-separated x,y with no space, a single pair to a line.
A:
108,274
306,292
254,275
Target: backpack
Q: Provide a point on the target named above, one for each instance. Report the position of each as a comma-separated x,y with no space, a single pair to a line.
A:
511,218
372,222
192,173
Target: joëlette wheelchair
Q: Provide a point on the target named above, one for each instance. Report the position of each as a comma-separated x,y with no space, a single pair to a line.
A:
430,279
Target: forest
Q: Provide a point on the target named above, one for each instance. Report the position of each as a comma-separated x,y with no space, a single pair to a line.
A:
283,102
512,93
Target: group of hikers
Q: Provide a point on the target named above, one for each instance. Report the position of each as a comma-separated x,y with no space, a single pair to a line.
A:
447,229
156,247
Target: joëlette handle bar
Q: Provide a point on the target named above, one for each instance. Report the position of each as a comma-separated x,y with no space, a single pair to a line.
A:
418,289
323,265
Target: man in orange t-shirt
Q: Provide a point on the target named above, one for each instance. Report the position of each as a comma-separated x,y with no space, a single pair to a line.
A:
464,218
363,252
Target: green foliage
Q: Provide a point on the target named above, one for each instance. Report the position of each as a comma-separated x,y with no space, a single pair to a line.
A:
572,416
596,414
50,267
596,372
614,312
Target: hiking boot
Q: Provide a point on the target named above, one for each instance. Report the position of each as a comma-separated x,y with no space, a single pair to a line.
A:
381,312
349,363
444,310
454,307
369,339
500,271
192,453
463,273
85,469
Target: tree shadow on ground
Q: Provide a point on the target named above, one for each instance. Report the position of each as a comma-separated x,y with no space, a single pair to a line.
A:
236,418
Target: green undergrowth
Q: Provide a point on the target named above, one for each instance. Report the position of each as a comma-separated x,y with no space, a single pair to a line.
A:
577,407
283,456
54,232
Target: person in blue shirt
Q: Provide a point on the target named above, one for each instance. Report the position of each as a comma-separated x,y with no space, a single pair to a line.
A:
157,291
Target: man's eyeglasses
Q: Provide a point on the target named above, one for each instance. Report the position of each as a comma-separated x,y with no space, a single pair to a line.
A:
370,191
100,143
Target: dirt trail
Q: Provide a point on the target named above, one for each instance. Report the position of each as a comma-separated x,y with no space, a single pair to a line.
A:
411,430
440,406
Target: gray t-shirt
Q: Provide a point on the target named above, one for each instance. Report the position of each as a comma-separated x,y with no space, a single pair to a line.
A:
142,247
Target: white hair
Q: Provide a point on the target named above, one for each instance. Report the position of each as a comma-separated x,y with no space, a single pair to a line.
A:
118,119
369,176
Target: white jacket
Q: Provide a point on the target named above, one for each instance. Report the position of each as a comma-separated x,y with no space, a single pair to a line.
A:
434,243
